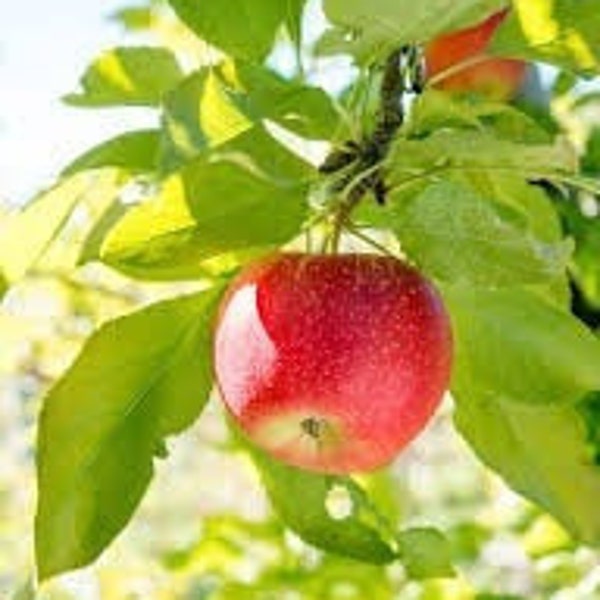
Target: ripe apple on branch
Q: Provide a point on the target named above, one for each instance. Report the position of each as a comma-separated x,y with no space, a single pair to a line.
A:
332,362
457,62
335,362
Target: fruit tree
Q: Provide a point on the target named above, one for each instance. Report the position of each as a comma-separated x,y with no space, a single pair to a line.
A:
355,209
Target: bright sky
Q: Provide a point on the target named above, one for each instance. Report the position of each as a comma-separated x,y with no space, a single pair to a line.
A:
44,47
43,51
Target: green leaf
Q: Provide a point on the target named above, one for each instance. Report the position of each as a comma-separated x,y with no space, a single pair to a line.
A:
529,208
293,20
356,535
28,234
425,553
229,208
135,18
242,28
91,249
302,108
585,266
449,151
512,346
199,114
3,286
458,236
369,29
135,151
216,105
540,451
25,591
130,76
138,380
559,32
591,159
589,408
524,204
434,110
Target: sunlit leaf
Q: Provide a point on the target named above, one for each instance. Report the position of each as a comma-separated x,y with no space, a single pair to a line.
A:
540,451
134,18
216,105
559,32
229,207
138,380
92,247
29,233
199,114
137,76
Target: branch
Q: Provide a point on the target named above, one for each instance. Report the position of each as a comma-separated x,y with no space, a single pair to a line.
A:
391,110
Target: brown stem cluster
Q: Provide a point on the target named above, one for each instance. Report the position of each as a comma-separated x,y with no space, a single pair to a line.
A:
360,157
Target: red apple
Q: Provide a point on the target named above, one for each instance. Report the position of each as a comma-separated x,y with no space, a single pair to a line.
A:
496,78
332,363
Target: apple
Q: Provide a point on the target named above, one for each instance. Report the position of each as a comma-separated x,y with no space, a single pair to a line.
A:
495,78
332,363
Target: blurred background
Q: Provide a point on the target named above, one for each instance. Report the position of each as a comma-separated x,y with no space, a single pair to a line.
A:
205,529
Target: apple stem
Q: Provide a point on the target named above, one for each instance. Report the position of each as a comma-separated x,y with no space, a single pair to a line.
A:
370,241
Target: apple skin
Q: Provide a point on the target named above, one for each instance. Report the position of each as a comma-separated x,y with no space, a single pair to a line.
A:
332,363
495,78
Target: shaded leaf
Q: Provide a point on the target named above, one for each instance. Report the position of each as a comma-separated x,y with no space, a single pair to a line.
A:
463,151
352,536
138,380
524,204
512,346
459,237
135,76
242,28
293,20
591,158
434,110
585,264
369,29
425,553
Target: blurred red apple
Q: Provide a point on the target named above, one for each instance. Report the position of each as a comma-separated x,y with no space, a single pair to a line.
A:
496,78
332,363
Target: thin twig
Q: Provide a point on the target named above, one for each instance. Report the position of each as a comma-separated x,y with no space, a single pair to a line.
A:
357,233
